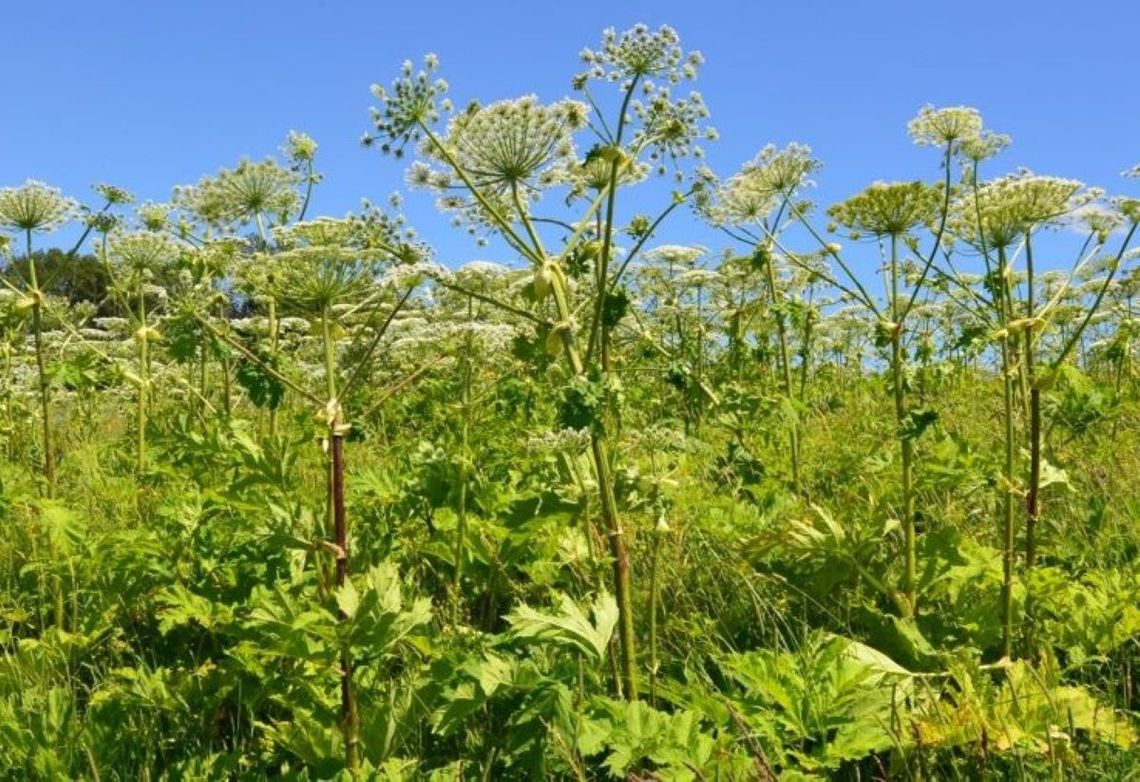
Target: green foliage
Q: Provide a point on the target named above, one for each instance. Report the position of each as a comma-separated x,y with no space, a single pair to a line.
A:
629,510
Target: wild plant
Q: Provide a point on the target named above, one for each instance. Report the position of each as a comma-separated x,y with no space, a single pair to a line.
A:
36,208
1000,219
491,163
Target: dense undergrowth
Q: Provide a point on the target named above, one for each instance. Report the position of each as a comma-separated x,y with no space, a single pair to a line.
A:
288,499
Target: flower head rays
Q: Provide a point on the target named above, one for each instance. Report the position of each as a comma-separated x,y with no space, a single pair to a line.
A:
243,193
1003,210
643,53
888,209
34,206
508,145
762,184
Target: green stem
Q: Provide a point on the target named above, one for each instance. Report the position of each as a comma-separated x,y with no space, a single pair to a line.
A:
45,391
1007,550
611,521
144,380
464,456
350,718
1032,509
654,604
910,547
785,366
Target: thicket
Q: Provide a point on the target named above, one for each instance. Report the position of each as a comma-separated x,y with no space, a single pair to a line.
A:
849,497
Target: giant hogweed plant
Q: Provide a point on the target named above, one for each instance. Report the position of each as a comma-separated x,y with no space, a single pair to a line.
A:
264,195
762,202
999,219
492,163
351,277
30,209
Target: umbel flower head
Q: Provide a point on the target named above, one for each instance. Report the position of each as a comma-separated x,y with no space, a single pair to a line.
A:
640,53
592,175
300,147
143,251
513,145
957,128
772,176
411,104
671,126
35,206
887,209
153,216
939,127
1003,210
244,193
112,194
676,254
326,262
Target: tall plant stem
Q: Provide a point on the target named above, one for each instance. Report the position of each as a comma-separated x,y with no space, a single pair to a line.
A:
654,603
144,381
9,413
1007,548
623,591
273,337
45,391
464,437
225,367
785,367
1032,500
910,546
350,719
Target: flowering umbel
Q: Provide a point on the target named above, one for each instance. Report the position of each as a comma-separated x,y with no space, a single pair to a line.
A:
641,53
145,251
243,193
1003,210
34,206
512,145
413,102
888,209
762,184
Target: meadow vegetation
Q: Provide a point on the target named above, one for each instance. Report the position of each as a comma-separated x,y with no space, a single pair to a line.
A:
851,495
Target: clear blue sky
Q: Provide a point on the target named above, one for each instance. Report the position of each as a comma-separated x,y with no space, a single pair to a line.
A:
153,94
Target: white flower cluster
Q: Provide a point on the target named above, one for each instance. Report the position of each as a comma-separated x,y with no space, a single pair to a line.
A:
678,254
569,441
958,129
415,335
412,103
762,184
1003,210
640,53
410,275
34,206
241,194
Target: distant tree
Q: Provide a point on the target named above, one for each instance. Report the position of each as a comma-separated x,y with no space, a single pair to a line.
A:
75,277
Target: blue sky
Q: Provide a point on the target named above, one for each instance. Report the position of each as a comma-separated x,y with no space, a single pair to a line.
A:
153,94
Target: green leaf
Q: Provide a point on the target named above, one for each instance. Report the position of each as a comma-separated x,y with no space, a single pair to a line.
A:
347,599
570,626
